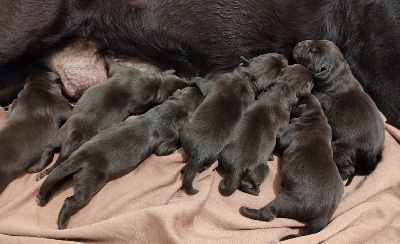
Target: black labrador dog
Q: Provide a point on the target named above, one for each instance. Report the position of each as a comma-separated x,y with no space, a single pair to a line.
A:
245,157
35,116
312,184
128,91
357,127
131,142
206,134
200,38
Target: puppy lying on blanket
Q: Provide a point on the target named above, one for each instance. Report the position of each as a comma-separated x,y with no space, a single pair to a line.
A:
205,134
35,116
265,119
310,178
357,127
105,104
94,164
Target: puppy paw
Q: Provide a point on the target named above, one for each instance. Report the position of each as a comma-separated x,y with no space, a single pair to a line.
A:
62,224
256,214
253,191
41,175
346,172
41,201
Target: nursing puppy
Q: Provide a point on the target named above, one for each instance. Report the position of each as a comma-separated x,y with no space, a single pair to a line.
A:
132,141
206,134
357,127
127,91
312,184
245,157
35,116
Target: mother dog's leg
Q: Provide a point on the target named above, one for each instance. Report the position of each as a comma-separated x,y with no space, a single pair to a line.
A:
24,25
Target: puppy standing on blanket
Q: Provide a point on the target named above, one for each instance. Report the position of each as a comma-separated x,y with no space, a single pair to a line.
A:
357,127
132,141
310,178
206,134
35,116
265,119
127,91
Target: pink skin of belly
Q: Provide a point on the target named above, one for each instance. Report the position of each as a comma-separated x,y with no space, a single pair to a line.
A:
79,66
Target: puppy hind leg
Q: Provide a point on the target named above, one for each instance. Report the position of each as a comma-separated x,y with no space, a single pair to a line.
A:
343,160
73,142
253,178
69,167
87,184
285,205
192,167
166,148
228,187
48,153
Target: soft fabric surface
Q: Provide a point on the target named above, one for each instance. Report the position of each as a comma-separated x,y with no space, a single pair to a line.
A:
148,206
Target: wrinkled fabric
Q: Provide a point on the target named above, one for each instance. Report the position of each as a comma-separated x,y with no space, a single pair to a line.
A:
148,206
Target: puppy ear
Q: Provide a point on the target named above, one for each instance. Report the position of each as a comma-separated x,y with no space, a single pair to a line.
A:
245,61
168,72
301,109
322,73
305,90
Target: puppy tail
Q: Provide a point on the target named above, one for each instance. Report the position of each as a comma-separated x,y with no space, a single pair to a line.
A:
70,166
228,188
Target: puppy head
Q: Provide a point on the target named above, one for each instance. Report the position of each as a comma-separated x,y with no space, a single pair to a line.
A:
263,69
168,85
300,79
190,97
322,57
44,78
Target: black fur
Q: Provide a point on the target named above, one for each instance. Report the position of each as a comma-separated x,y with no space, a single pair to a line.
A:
204,38
245,157
127,91
132,141
312,184
357,127
35,116
206,134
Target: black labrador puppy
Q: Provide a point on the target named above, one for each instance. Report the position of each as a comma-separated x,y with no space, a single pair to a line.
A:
245,157
131,142
206,134
128,91
357,127
310,178
35,116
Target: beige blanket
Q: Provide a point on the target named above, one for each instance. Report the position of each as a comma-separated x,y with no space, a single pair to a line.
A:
148,206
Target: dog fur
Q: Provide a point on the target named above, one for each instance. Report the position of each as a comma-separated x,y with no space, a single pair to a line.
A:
197,38
132,141
35,116
312,184
245,157
206,134
128,91
357,127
